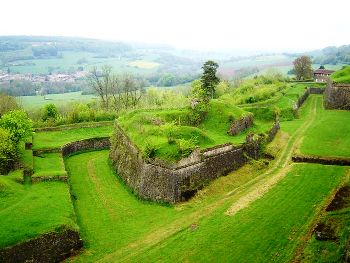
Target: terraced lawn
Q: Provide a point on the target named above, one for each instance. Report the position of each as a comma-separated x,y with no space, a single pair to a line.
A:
56,139
49,164
329,135
27,211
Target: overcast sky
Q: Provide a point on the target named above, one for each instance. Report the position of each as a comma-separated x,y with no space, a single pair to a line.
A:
206,25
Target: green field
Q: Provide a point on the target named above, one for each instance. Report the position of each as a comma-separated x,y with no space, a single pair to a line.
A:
34,102
27,211
56,139
328,136
69,61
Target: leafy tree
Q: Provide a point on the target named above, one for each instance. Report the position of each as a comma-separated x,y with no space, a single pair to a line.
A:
302,68
50,112
7,103
8,152
321,67
197,90
209,78
17,124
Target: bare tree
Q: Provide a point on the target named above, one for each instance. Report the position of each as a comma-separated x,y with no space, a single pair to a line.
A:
120,91
101,82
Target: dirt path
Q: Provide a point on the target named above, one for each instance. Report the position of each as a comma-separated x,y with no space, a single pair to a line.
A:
257,187
98,187
279,169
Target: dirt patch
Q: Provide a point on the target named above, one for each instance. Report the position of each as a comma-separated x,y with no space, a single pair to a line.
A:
341,199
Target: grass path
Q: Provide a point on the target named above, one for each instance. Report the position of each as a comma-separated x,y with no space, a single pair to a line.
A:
118,227
281,166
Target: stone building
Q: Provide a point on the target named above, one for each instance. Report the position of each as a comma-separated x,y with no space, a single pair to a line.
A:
322,75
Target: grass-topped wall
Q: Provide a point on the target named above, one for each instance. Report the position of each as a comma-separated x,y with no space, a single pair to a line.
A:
160,181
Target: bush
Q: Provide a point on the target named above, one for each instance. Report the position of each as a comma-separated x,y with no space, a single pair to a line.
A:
185,147
150,150
50,112
8,152
17,124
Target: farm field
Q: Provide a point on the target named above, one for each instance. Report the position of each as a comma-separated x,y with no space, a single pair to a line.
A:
69,61
34,102
56,139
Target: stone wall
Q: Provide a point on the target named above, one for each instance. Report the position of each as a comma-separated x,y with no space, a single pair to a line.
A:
240,125
178,182
50,247
84,145
337,96
76,126
342,161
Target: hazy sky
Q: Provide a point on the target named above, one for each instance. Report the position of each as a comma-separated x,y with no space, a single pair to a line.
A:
216,24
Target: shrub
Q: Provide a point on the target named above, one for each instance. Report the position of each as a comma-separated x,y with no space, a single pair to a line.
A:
150,150
17,124
50,112
8,152
185,147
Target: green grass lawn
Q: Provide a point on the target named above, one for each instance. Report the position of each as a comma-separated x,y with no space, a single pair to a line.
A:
56,139
329,136
49,164
342,76
27,211
112,218
155,127
267,231
34,102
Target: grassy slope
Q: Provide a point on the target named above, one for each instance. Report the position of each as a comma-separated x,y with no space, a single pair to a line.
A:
55,139
268,230
104,205
212,131
108,214
342,76
27,211
329,135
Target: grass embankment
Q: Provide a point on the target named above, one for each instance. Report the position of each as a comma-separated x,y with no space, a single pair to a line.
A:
332,242
27,211
56,139
341,76
49,165
113,219
168,130
328,136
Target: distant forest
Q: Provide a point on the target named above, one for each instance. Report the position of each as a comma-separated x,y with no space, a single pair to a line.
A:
332,55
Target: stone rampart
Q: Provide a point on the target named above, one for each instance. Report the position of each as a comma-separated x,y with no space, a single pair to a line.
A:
178,182
240,125
337,96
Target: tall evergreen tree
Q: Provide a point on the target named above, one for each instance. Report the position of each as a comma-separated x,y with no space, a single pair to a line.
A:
209,78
